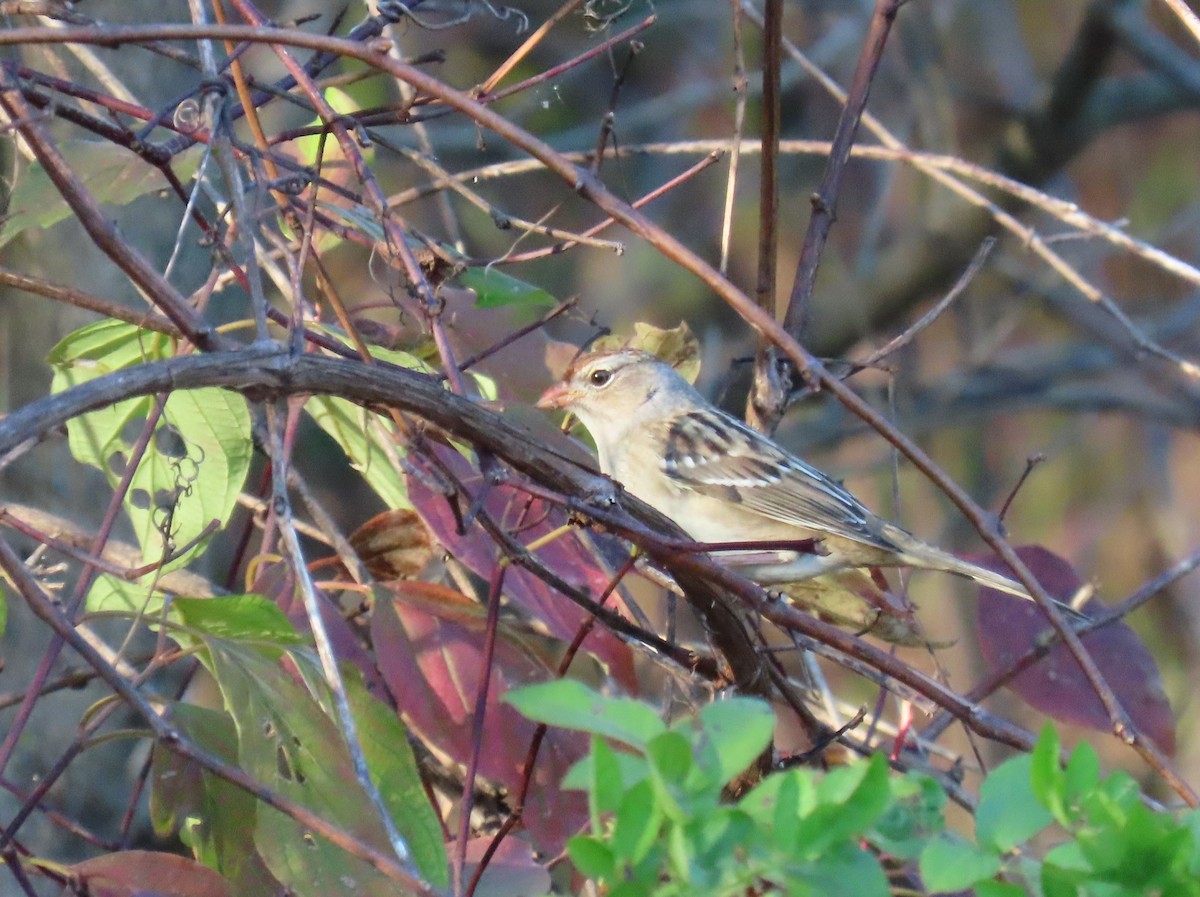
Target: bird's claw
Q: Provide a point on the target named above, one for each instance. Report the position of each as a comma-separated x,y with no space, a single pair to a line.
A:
604,495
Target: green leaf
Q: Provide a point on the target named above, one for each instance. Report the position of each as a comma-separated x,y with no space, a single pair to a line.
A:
492,288
489,391
569,704
1082,774
1122,790
113,595
721,836
843,870
606,787
1045,774
396,357
246,618
286,742
670,756
738,730
840,784
1111,802
785,828
1068,855
1146,850
671,761
763,800
1063,880
390,761
851,800
361,434
914,816
108,345
213,817
308,145
680,853
581,776
634,888
1102,849
394,771
360,218
992,888
196,461
110,594
1009,813
948,864
114,175
637,823
592,857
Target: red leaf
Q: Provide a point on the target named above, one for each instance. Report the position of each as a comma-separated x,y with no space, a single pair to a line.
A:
430,647
1056,685
141,873
567,555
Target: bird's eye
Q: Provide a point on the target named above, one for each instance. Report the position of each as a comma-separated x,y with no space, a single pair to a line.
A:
600,377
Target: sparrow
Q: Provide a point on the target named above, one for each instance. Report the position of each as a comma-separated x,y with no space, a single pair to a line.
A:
724,482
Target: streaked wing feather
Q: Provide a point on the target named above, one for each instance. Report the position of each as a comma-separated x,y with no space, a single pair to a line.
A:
714,453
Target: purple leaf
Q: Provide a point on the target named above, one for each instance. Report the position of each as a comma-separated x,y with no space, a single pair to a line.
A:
1056,685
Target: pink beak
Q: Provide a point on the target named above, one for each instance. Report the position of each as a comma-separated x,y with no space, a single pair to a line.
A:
560,395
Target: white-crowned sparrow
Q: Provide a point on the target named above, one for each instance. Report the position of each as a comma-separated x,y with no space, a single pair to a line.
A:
723,482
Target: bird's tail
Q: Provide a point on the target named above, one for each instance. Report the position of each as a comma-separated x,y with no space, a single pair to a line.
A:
982,575
916,553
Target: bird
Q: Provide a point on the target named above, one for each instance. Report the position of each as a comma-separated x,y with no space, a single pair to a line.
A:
722,481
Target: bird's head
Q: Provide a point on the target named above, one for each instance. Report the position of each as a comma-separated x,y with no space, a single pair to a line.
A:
614,390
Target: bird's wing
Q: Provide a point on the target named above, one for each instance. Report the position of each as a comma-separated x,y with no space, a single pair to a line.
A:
714,453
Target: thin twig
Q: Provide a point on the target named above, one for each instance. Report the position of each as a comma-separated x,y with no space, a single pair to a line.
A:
282,509
768,187
735,143
909,334
477,721
1187,16
507,340
824,201
1030,463
641,202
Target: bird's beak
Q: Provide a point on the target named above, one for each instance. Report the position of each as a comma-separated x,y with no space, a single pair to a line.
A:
560,395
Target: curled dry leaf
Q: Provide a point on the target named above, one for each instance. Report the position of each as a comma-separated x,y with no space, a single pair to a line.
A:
394,544
854,600
677,346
